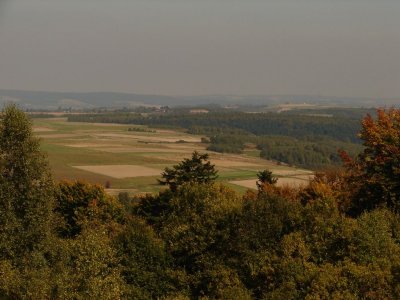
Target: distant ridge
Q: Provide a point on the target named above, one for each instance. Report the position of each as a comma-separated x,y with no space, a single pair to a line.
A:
36,100
55,100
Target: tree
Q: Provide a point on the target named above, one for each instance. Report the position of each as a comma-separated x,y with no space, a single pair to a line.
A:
26,187
197,233
79,203
144,261
90,268
375,174
26,208
196,170
265,177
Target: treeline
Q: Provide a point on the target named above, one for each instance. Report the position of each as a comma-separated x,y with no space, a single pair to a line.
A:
336,112
338,237
307,152
140,129
313,153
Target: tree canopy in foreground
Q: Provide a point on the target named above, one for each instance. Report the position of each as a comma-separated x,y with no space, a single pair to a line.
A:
337,238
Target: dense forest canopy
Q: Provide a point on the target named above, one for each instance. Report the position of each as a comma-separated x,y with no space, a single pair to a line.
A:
336,238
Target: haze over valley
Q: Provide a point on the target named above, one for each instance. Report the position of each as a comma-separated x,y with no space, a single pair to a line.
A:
339,48
187,149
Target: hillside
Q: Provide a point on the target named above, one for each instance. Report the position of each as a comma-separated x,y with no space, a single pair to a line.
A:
44,100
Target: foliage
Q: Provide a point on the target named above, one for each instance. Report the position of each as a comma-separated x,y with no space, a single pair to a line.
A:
26,187
144,261
308,152
338,127
374,176
26,203
200,239
79,203
90,267
153,208
197,169
225,143
196,231
140,129
265,177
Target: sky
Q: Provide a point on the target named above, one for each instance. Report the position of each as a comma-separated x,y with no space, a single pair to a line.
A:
347,48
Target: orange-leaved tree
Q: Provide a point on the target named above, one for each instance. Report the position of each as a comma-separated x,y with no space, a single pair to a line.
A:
374,176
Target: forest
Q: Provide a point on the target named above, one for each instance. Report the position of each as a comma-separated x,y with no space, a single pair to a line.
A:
336,238
301,139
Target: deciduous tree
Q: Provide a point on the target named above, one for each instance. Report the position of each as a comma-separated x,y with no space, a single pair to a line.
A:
26,187
375,173
26,208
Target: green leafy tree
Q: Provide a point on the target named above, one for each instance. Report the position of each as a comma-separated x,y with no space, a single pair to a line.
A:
26,208
197,231
197,169
89,269
26,187
144,261
78,203
153,208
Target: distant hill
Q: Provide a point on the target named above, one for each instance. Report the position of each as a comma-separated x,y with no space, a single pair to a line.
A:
54,100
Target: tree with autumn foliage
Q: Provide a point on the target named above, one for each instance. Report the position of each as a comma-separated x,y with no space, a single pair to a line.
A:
374,176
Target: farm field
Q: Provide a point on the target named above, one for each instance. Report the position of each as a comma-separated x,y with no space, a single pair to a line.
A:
132,160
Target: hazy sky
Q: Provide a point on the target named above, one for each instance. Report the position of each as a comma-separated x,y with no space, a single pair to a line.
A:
192,47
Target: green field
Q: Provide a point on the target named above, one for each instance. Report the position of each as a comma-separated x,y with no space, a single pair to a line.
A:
122,154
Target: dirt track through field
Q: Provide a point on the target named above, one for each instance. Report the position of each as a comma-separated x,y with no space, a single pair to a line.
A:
121,171
42,129
151,138
296,172
139,150
287,181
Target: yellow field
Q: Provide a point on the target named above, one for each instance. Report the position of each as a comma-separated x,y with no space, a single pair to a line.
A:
133,160
297,181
